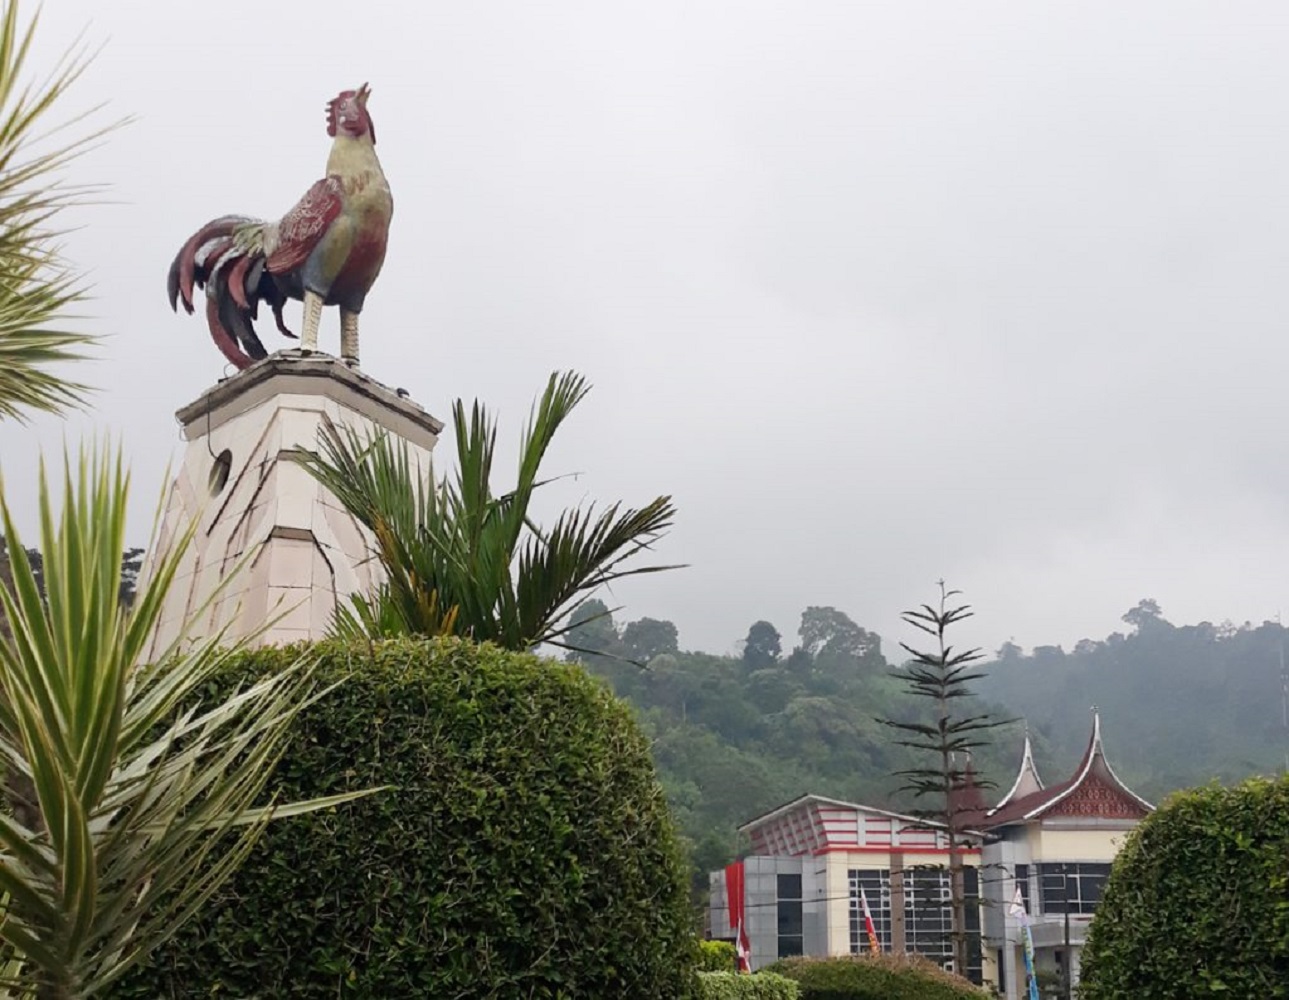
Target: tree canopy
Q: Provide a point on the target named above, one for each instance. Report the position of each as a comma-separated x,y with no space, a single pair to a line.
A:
1179,704
649,637
762,647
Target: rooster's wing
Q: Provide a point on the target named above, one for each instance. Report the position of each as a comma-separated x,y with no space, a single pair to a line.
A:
306,224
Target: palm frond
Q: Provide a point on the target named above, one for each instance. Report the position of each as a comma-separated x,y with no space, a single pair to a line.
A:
460,558
37,285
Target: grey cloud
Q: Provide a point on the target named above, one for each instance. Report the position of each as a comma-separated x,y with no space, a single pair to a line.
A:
881,292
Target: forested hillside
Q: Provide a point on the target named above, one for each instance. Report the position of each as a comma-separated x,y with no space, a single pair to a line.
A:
1180,705
737,735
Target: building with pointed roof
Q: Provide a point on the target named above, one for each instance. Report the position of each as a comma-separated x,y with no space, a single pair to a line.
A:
1056,845
815,863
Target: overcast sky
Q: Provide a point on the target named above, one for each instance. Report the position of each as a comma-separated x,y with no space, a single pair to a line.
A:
881,293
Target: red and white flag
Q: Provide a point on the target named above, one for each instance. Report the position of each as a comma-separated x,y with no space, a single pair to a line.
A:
869,926
734,899
743,947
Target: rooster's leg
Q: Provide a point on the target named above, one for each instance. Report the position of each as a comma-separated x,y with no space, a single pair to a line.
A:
349,337
312,318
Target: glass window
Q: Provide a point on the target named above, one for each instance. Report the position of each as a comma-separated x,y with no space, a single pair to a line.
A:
927,914
971,893
877,890
927,911
790,917
928,918
788,890
1073,888
1052,888
1022,880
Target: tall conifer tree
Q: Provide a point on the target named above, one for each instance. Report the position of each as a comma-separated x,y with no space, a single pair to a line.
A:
943,675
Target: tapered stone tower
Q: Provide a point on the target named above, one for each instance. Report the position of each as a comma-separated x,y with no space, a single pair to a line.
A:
251,500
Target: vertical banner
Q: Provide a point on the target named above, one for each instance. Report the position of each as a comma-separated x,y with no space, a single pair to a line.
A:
1017,910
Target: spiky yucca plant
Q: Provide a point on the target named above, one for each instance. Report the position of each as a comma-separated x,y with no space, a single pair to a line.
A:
142,795
461,559
37,286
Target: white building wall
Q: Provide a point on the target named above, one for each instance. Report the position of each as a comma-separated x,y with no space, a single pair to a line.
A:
299,551
837,869
1066,840
1074,844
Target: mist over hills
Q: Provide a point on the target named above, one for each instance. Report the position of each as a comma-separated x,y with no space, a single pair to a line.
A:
1180,705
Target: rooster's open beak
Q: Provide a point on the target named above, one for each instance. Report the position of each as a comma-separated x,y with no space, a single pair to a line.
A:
363,93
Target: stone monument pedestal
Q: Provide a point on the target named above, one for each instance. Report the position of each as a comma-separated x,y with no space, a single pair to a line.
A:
237,480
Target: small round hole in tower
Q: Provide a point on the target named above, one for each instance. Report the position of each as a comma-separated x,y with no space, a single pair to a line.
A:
219,471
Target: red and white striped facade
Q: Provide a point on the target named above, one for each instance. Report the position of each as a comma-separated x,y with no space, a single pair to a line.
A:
814,825
829,840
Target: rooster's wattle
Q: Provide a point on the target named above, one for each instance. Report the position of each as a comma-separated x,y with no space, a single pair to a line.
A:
327,250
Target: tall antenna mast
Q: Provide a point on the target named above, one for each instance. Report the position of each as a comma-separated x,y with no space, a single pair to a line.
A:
1284,700
1284,694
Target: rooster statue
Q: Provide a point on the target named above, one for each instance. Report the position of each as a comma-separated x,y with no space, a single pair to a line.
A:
327,250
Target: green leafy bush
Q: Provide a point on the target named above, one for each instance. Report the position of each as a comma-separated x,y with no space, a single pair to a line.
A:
525,849
716,956
739,986
1197,904
875,977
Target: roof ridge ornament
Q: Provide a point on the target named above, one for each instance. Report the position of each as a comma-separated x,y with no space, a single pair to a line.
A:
1094,752
1020,788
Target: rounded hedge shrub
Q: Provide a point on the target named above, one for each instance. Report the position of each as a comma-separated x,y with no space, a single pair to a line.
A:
875,977
717,956
740,986
1197,904
525,849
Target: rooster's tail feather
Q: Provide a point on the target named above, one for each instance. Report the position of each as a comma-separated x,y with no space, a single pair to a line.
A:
224,257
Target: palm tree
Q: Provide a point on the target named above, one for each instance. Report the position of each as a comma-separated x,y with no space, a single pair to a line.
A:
37,286
142,796
462,560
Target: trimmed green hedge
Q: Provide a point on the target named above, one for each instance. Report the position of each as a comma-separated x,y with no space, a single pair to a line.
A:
525,851
716,956
1197,904
740,986
875,977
